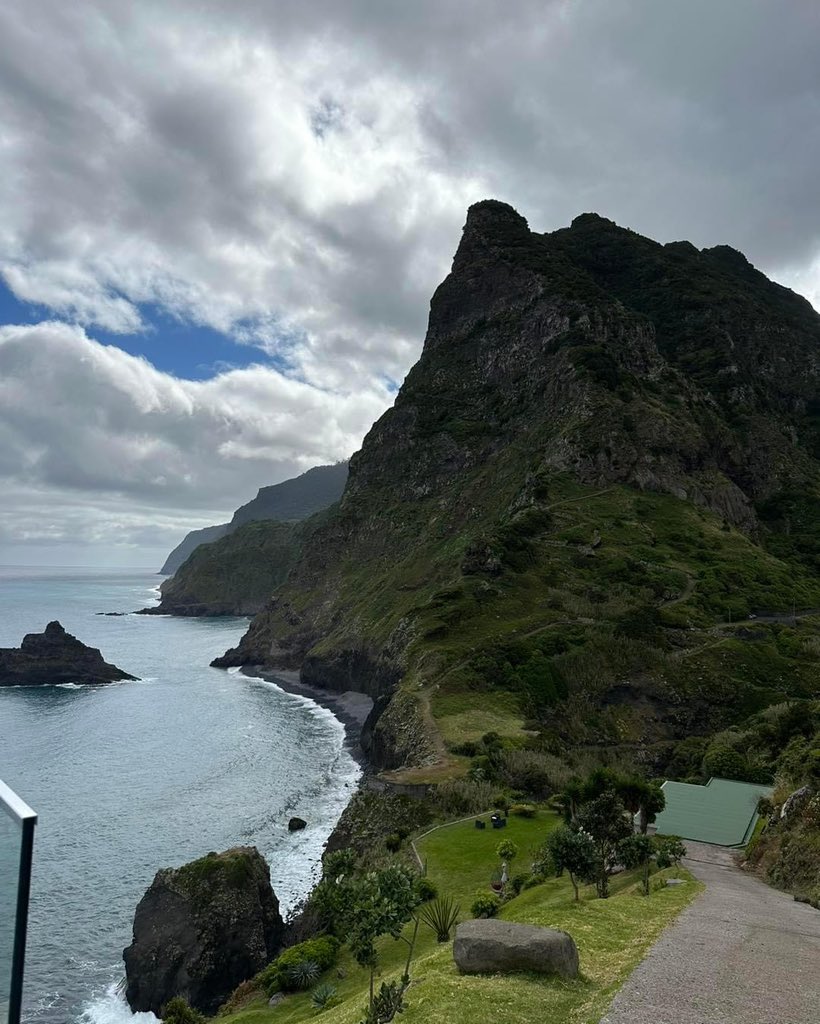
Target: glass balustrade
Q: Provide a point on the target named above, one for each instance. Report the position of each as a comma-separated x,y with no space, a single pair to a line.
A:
17,822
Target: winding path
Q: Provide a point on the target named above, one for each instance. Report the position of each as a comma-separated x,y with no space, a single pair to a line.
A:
742,953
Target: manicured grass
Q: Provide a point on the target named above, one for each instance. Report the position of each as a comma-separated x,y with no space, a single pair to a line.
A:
612,936
461,858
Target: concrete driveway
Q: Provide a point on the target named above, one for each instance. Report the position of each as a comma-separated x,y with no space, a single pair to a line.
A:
742,953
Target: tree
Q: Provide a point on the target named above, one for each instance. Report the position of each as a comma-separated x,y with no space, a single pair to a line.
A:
669,850
382,902
574,852
507,850
652,803
604,820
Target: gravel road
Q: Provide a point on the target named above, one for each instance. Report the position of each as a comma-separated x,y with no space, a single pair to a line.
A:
742,953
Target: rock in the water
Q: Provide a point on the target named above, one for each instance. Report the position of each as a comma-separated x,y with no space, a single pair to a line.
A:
500,946
201,930
296,824
55,656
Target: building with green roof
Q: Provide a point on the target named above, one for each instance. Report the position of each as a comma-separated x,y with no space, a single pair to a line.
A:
722,812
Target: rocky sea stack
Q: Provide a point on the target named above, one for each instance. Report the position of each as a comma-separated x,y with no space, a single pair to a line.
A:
201,930
52,657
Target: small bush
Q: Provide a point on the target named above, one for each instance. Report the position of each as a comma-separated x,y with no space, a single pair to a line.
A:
425,890
300,975
670,850
283,973
518,882
441,916
393,842
523,810
177,1011
485,905
536,878
322,996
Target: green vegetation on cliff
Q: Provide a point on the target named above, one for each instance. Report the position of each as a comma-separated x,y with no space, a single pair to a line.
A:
587,522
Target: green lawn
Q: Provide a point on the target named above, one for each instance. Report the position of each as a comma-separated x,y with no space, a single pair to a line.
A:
612,935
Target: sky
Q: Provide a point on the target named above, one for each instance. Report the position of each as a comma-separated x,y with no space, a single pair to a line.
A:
221,222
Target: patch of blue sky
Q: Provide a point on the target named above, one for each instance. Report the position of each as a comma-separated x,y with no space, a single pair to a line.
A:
184,349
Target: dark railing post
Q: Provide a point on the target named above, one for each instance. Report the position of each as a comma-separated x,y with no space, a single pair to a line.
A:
25,819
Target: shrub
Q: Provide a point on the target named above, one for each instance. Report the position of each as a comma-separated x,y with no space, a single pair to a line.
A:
393,842
300,975
177,1011
463,796
523,810
670,850
425,890
536,878
501,802
507,849
283,972
441,916
721,761
532,772
485,905
322,996
518,882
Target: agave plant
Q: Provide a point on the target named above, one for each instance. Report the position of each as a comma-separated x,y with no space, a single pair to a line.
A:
322,996
441,915
303,975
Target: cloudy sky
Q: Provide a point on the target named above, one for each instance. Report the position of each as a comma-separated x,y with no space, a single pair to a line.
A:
221,222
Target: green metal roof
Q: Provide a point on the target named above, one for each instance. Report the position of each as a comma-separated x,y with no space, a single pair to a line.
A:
721,812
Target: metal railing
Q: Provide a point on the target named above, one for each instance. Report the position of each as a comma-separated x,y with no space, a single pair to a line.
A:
17,821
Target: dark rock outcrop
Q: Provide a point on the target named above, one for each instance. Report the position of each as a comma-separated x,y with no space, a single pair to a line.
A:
490,946
52,657
201,930
296,824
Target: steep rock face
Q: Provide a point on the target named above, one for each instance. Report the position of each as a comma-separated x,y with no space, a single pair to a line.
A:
286,502
589,355
234,575
201,930
55,656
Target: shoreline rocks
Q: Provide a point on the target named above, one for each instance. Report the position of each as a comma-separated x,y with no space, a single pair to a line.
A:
55,656
201,930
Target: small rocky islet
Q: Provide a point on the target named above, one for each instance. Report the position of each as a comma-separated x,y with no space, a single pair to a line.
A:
55,656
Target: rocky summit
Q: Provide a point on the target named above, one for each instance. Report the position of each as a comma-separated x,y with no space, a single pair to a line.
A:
588,514
55,656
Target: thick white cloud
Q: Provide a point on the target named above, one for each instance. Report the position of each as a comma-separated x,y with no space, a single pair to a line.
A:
294,174
97,445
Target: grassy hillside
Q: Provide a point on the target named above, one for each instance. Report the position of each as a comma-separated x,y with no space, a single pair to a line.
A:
612,935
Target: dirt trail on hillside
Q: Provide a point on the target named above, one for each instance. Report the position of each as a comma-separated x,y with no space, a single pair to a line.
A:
742,953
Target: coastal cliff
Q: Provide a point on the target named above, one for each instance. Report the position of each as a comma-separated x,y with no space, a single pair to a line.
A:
53,657
607,452
286,502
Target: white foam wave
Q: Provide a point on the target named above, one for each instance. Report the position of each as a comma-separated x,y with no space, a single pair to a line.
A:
111,1008
71,686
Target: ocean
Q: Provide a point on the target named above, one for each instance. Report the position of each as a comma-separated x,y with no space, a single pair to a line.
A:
134,776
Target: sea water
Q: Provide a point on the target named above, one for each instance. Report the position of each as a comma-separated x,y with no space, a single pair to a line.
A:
134,776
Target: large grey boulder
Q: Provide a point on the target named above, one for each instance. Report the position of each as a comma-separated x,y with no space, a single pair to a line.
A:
490,946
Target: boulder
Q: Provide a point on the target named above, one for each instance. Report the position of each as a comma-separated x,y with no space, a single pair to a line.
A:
201,930
54,656
491,946
296,824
